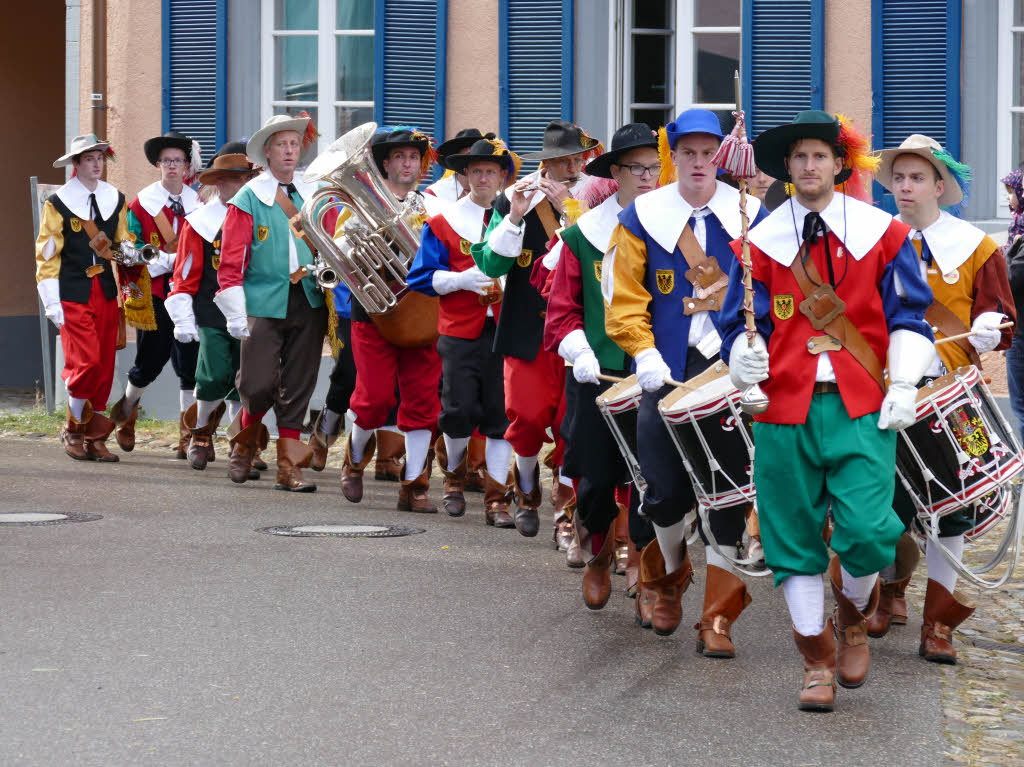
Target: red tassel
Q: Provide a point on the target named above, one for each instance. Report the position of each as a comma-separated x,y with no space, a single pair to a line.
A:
311,134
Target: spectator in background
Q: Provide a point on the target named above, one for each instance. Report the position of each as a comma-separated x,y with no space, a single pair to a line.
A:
1014,182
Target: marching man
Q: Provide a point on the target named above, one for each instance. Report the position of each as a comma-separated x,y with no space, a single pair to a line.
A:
967,274
664,278
472,393
837,292
80,224
271,303
191,307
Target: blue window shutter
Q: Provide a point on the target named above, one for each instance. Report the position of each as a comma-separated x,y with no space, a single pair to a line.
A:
535,41
195,70
915,74
783,60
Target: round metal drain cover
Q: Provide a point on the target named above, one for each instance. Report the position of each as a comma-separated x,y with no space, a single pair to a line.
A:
35,518
342,531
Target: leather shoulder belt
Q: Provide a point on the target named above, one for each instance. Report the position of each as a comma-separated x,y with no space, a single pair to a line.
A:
825,310
708,280
941,316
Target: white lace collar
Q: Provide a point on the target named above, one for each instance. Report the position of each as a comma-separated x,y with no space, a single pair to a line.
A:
951,240
265,185
76,197
155,198
597,224
466,218
664,213
208,219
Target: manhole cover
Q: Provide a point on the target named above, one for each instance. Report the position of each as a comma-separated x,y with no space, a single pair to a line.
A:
987,644
35,518
342,531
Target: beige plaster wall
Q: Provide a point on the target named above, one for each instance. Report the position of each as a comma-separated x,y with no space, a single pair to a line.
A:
133,86
472,99
848,60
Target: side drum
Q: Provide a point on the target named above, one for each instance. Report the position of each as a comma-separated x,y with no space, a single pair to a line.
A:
619,404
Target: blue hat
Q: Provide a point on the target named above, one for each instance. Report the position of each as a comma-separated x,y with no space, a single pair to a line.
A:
693,121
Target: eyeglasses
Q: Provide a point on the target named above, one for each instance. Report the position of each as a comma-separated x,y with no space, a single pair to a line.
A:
640,170
169,163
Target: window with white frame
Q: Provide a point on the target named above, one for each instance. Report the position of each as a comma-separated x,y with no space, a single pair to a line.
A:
318,56
648,61
708,55
1010,123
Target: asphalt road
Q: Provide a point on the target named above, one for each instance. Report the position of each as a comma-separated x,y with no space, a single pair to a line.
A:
170,632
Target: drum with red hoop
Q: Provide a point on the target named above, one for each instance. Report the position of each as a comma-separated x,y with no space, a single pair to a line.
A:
713,436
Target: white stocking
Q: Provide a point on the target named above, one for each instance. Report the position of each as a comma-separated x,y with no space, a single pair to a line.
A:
498,455
670,540
858,590
417,443
526,464
456,449
360,437
805,597
939,569
204,409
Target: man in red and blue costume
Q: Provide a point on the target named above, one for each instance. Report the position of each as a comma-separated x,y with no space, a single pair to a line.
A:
837,293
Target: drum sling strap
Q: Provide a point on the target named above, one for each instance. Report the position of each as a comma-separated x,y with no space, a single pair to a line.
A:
941,316
295,224
708,280
547,217
100,244
825,309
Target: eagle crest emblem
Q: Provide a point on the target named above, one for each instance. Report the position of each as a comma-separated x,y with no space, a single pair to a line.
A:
783,305
970,433
665,279
262,232
76,225
525,258
597,269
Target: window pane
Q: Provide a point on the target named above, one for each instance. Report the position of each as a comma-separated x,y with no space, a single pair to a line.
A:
355,68
1017,148
352,117
651,14
295,68
718,58
1018,69
295,14
294,112
355,14
655,118
650,69
1018,12
717,13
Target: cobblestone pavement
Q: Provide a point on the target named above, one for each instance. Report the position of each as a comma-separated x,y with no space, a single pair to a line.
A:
982,698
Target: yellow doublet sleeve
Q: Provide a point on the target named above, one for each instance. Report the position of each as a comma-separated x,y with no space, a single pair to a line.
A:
627,320
339,227
49,243
123,231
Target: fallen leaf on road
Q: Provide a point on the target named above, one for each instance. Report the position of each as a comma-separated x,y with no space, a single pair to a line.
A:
149,719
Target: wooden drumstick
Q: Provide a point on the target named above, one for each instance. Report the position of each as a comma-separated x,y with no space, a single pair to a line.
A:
948,339
617,379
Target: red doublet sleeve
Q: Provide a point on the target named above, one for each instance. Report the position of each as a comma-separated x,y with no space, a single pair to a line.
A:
565,302
190,251
992,294
235,242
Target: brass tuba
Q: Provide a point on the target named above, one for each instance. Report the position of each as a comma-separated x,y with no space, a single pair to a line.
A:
378,242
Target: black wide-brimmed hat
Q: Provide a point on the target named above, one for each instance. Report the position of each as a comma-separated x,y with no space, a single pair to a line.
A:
230,161
626,139
172,139
464,138
772,146
562,139
385,141
484,150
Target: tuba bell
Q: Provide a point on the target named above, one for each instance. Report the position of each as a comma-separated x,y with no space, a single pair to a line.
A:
377,243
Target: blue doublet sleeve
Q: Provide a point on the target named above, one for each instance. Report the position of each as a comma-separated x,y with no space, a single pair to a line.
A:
731,322
431,256
905,308
342,300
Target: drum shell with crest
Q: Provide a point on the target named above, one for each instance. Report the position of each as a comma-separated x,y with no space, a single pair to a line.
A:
713,436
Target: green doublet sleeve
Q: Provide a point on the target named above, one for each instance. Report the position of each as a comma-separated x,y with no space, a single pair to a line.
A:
489,262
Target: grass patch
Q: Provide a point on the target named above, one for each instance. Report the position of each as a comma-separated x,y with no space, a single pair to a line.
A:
38,421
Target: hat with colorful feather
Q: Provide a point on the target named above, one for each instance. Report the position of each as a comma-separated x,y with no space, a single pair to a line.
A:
301,124
488,150
956,176
398,136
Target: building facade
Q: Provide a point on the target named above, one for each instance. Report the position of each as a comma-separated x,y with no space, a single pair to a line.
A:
216,69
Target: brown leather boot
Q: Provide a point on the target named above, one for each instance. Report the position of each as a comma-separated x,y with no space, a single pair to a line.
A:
819,690
622,542
525,516
851,628
412,496
597,581
632,570
899,601
454,500
72,434
125,423
580,543
95,438
496,498
352,473
943,612
320,441
476,465
668,588
201,443
879,623
184,437
645,599
292,456
725,597
244,446
390,450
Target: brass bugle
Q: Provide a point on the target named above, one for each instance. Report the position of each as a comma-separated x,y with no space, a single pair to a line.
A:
127,254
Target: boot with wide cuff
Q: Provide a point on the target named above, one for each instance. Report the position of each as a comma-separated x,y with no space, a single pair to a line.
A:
496,499
390,451
597,580
200,446
668,588
943,612
125,423
320,441
72,434
244,445
819,652
454,500
853,658
352,473
95,438
525,515
292,456
725,597
412,496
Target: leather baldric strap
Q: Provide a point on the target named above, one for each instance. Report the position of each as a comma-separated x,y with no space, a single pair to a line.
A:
941,316
708,280
838,328
295,224
100,244
547,217
166,231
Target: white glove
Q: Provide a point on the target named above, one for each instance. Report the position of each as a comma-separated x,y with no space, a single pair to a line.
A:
986,336
162,264
899,408
471,279
651,370
748,364
231,302
910,355
179,309
586,368
49,293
